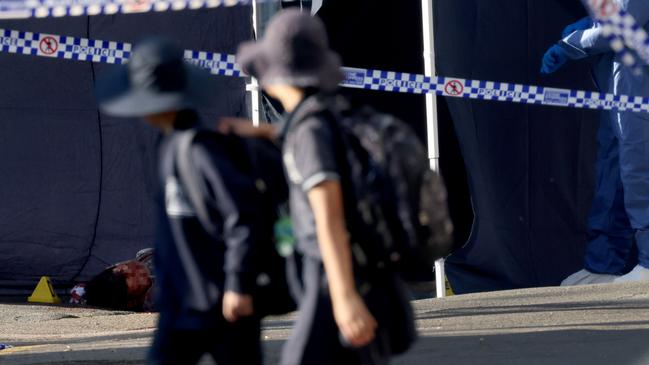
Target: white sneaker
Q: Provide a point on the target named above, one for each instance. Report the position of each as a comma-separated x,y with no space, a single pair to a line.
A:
585,277
639,273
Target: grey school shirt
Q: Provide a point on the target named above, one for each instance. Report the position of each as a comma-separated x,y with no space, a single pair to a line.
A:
308,149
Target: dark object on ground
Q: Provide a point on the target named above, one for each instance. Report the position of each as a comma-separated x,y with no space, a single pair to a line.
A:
124,286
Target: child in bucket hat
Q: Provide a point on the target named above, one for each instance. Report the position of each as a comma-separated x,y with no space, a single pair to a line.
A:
295,51
204,280
294,65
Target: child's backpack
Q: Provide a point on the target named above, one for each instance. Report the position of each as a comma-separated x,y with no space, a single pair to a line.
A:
399,201
259,160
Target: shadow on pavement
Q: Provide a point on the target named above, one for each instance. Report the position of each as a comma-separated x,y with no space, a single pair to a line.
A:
116,355
574,347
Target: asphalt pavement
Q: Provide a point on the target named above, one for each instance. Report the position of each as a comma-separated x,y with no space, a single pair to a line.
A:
598,324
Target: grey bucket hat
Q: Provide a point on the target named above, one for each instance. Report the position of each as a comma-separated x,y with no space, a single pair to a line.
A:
155,80
294,51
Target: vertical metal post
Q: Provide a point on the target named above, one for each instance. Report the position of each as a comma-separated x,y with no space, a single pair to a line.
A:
253,87
431,118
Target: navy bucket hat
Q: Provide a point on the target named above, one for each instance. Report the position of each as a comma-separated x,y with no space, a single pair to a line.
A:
156,79
294,51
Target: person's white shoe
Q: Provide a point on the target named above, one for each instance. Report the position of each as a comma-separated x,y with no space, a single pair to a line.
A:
585,277
639,273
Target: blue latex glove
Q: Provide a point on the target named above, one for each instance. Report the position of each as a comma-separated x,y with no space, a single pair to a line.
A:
581,24
553,59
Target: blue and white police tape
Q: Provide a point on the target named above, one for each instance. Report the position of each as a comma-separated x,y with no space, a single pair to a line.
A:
491,90
618,43
627,39
621,30
16,9
81,49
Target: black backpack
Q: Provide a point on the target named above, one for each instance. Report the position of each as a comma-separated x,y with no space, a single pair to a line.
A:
399,201
261,161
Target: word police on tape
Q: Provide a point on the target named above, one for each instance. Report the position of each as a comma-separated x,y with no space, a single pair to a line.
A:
489,90
81,49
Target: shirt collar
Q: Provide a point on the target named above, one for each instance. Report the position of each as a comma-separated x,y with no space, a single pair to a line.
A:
308,106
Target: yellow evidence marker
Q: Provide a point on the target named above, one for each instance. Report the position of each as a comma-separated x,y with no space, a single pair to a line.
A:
44,293
449,290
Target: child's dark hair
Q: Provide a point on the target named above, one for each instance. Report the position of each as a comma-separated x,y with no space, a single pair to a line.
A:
108,290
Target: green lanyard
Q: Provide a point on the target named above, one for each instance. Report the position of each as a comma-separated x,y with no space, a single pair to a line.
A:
284,238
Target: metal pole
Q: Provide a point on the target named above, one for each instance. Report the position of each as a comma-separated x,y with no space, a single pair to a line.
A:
431,118
253,87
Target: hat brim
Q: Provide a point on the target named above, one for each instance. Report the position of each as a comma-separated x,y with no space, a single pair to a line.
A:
117,98
253,58
327,77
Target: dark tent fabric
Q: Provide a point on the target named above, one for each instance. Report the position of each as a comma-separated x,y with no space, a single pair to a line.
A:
384,35
530,168
76,186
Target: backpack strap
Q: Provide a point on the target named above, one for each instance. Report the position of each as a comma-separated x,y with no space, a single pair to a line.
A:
193,184
334,116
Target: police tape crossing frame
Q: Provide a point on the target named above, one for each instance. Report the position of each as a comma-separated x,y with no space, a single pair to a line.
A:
81,49
490,90
621,30
18,9
619,27
50,45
